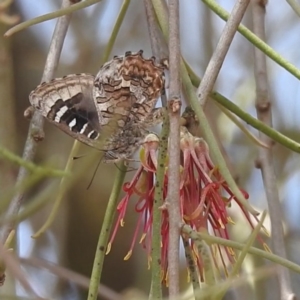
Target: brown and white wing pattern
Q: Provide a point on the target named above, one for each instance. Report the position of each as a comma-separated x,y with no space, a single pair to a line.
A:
68,103
129,85
111,111
126,90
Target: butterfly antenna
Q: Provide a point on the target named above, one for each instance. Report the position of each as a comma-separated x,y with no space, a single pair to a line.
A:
128,169
77,157
94,174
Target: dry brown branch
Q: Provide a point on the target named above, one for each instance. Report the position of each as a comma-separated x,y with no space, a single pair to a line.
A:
265,158
174,105
35,132
217,59
72,276
158,44
13,266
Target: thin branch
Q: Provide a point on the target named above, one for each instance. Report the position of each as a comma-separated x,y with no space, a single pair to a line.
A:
33,205
209,271
13,265
35,133
30,166
295,6
8,126
265,160
256,41
251,136
105,232
174,105
192,267
255,123
64,11
116,29
156,289
240,246
158,44
65,183
72,276
238,265
161,11
217,59
152,27
267,130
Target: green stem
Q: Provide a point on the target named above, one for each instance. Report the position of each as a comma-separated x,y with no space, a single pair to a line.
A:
34,205
208,265
105,232
50,16
269,131
64,184
272,133
193,269
252,38
219,295
228,243
116,30
159,8
295,6
156,291
21,187
242,126
43,171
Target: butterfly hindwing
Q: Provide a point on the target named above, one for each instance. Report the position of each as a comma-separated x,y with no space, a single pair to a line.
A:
68,103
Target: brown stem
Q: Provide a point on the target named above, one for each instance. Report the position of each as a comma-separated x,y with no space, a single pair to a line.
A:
71,276
174,105
265,159
220,52
158,44
35,132
13,265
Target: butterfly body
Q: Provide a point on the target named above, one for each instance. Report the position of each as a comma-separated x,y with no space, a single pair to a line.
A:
111,111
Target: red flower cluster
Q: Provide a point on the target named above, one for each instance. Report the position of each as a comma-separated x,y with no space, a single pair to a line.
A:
204,196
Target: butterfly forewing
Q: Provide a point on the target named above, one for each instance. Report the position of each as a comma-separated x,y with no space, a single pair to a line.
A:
130,85
126,90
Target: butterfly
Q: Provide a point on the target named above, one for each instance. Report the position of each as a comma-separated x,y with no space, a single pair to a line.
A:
111,111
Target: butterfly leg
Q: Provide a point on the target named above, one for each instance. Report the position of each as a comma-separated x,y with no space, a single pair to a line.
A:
155,117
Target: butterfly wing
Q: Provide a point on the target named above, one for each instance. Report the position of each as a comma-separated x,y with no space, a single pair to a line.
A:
118,102
68,103
126,90
129,85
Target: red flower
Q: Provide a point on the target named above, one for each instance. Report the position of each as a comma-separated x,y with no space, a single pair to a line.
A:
204,197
